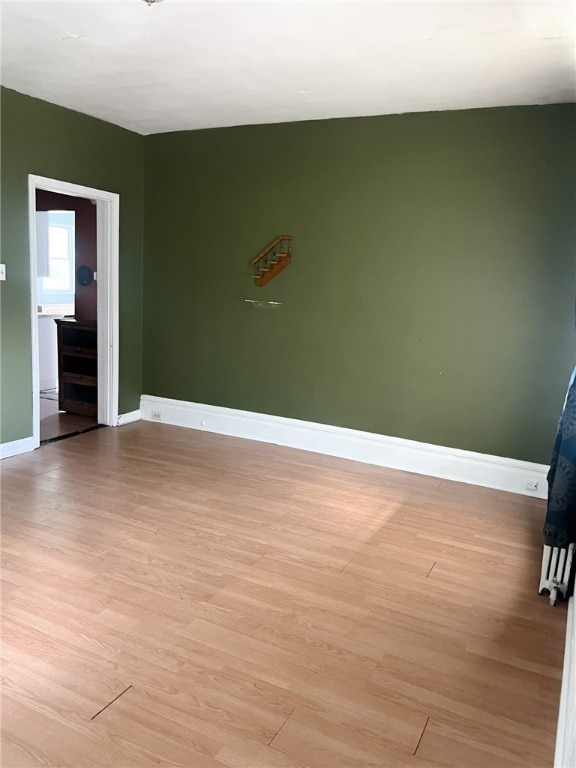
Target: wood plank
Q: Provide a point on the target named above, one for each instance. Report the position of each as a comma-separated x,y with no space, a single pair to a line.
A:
262,607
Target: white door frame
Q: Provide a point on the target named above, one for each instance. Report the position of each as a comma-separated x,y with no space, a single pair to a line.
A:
107,258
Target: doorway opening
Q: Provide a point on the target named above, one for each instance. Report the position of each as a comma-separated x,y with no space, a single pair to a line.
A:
66,259
74,303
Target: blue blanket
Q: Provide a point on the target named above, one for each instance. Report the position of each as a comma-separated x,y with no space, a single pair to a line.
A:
560,525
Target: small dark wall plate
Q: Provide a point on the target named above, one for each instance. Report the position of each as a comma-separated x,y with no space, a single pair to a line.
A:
84,275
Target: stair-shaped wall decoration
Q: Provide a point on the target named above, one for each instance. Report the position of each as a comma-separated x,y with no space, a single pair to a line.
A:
272,260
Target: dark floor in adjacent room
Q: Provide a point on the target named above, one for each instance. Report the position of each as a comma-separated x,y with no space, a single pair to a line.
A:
55,423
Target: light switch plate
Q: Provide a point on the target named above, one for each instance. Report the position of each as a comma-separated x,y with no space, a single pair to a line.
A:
2,271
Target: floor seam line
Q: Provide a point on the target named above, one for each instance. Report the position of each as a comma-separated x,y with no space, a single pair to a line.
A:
110,702
422,734
282,726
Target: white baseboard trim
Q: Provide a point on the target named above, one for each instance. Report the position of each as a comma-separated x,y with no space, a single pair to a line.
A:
128,418
565,755
393,452
16,447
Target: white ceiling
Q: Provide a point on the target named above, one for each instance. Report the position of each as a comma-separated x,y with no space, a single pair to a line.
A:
182,64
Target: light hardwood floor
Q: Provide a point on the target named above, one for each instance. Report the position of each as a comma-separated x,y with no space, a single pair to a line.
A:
246,605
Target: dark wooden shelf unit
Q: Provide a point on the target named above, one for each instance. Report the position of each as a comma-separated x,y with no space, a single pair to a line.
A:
77,367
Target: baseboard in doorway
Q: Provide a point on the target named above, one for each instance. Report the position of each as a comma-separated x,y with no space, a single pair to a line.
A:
16,447
128,418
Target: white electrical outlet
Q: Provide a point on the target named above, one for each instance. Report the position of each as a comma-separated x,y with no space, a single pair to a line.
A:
531,485
2,271
156,416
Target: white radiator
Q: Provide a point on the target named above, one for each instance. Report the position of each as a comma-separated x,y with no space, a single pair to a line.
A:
556,569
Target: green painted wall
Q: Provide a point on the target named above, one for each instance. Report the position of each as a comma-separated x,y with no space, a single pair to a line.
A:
431,291
432,286
40,138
